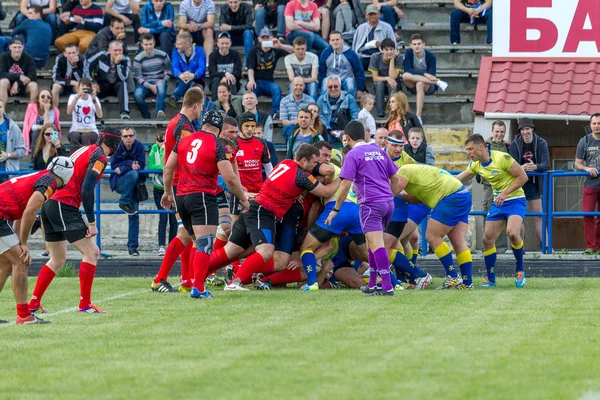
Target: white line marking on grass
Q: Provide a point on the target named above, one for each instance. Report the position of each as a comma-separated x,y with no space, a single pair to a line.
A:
72,309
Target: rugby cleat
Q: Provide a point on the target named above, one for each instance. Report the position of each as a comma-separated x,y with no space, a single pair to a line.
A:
422,283
380,293
520,279
30,320
184,289
3,321
307,288
399,288
196,294
366,289
235,286
38,310
450,282
162,287
267,285
488,284
462,286
92,309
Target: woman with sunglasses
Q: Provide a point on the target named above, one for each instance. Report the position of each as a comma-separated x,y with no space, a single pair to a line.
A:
47,147
38,114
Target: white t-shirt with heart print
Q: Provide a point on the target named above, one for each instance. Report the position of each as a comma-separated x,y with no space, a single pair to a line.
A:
84,114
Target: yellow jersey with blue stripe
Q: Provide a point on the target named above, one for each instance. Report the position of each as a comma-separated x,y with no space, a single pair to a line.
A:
351,195
428,184
404,159
496,172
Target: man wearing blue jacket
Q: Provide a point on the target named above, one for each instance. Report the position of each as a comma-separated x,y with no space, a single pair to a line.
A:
336,108
126,162
158,18
419,72
340,60
188,65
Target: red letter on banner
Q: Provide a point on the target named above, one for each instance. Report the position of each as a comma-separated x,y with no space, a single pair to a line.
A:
519,24
577,33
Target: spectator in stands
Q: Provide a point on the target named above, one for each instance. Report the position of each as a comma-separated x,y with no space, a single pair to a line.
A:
48,14
47,147
236,20
84,106
126,11
18,75
400,118
231,106
129,158
152,70
302,20
304,65
304,133
470,11
588,152
324,16
340,60
370,35
198,17
155,162
261,68
116,31
419,71
291,105
206,107
225,65
367,102
531,152
250,101
37,36
386,68
342,15
110,70
12,146
316,123
82,24
267,11
337,108
39,113
418,148
188,66
68,70
390,12
381,137
259,131
158,18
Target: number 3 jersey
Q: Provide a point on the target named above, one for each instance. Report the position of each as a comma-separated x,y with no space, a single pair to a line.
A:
198,155
15,193
286,182
251,155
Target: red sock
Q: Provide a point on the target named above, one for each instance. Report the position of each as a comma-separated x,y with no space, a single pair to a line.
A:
86,279
251,265
173,251
218,259
219,244
43,281
236,266
286,276
23,310
201,261
186,265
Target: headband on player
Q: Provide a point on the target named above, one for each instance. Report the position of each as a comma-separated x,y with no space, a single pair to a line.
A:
393,140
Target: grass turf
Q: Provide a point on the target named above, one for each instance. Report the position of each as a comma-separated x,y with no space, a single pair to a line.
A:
540,342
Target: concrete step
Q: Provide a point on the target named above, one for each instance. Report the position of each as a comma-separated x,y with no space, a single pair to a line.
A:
437,33
448,136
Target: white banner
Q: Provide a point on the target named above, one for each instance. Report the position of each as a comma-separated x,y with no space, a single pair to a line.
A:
546,28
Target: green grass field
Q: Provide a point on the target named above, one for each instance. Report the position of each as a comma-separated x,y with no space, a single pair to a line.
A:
541,342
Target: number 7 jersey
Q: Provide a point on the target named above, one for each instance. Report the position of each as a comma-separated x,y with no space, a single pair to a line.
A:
198,155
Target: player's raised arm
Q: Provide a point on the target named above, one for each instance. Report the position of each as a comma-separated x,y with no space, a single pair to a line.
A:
465,176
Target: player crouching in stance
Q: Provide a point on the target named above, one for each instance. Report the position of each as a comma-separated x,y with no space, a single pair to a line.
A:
63,222
506,177
450,202
257,226
200,158
22,198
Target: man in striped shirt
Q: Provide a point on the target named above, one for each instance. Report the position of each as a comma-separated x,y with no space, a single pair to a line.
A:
84,22
151,70
198,17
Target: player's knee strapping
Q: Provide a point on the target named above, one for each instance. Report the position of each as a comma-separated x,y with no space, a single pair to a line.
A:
490,263
465,262
225,219
204,244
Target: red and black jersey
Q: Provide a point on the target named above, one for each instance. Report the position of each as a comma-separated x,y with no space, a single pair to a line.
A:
16,192
179,127
283,185
251,155
198,155
88,158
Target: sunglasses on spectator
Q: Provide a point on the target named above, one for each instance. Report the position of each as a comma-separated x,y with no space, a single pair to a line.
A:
46,96
160,140
50,133
333,86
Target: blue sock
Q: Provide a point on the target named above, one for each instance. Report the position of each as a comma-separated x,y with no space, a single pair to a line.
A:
465,262
309,262
518,252
445,255
490,264
415,254
416,272
394,279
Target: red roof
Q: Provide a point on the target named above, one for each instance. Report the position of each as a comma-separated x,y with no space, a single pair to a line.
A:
540,86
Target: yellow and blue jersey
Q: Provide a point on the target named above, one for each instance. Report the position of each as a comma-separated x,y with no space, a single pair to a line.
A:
404,159
497,173
428,184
